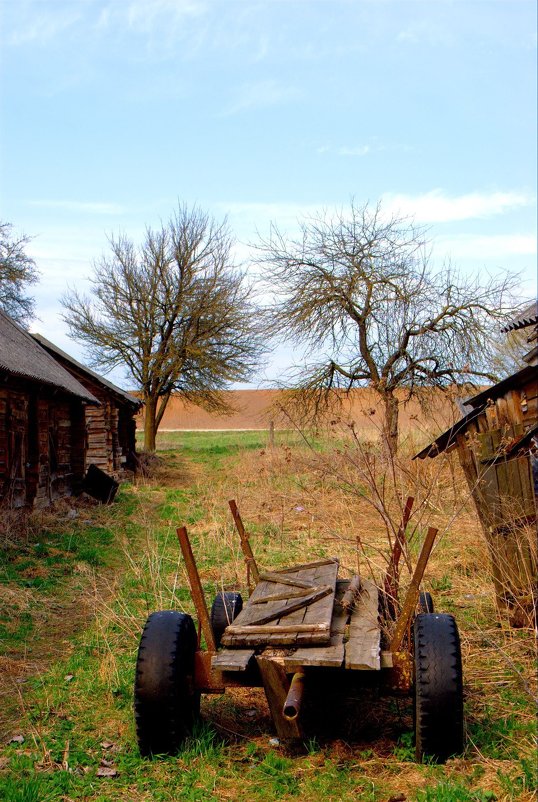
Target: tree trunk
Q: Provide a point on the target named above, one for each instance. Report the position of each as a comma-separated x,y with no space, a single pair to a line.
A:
150,426
390,424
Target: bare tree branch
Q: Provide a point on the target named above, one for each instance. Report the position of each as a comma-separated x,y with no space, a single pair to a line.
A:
174,311
359,292
17,271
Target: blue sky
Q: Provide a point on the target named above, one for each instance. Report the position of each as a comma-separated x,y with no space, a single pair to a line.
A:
112,110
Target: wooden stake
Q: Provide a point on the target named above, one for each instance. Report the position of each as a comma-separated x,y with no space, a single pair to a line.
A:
197,591
245,544
392,579
411,598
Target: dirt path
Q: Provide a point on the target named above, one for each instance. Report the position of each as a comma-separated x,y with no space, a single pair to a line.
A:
40,625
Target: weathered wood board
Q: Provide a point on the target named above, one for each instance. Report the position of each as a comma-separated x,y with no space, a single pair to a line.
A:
309,624
232,659
332,655
363,647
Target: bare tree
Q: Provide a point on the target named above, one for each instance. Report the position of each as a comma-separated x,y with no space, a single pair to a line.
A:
17,270
174,311
357,290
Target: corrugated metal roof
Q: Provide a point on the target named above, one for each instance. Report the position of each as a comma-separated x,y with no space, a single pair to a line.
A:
53,349
21,355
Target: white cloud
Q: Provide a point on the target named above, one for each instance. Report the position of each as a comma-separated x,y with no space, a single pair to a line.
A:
436,207
358,150
145,16
40,28
84,207
428,32
247,218
487,247
259,95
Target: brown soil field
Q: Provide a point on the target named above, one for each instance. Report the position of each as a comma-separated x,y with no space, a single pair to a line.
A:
430,415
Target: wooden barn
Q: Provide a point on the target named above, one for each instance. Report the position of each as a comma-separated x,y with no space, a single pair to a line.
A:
110,426
496,441
42,422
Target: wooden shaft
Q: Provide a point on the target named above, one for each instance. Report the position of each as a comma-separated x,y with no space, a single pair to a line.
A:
411,598
393,571
276,629
245,544
351,593
197,591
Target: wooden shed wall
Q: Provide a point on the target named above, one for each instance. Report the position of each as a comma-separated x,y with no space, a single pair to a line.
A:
503,489
41,445
111,440
111,430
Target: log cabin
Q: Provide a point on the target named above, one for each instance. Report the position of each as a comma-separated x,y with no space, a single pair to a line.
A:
42,422
110,426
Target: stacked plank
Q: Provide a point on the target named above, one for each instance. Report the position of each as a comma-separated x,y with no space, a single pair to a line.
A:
291,607
353,640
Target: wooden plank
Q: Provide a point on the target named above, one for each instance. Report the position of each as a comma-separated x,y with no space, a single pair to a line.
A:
363,647
291,639
232,659
332,655
348,599
305,625
297,617
283,610
527,488
307,566
273,629
276,686
487,491
270,576
323,610
284,595
513,405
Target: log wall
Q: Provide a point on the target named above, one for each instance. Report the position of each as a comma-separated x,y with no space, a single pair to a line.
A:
41,445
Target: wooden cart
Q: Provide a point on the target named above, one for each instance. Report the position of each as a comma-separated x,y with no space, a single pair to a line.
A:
299,621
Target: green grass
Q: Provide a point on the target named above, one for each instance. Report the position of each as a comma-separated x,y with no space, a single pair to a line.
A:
117,565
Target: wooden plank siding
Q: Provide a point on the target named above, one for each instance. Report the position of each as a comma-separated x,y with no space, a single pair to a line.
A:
503,491
41,444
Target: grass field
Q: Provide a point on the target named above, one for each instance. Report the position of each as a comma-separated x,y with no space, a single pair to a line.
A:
77,586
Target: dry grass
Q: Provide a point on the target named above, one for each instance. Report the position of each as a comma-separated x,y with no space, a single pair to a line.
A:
296,503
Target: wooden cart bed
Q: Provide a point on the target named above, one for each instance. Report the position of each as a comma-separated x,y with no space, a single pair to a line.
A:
318,630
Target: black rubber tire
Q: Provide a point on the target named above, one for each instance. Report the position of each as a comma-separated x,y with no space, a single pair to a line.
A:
425,602
165,702
438,687
225,608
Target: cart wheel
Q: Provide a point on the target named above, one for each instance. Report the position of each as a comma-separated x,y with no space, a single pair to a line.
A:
438,687
225,609
166,704
425,602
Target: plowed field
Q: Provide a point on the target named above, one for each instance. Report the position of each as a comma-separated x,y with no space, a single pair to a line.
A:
255,408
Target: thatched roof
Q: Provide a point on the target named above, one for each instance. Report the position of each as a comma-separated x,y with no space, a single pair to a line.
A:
20,355
54,351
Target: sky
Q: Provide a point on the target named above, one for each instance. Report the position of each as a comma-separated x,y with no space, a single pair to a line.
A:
113,111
